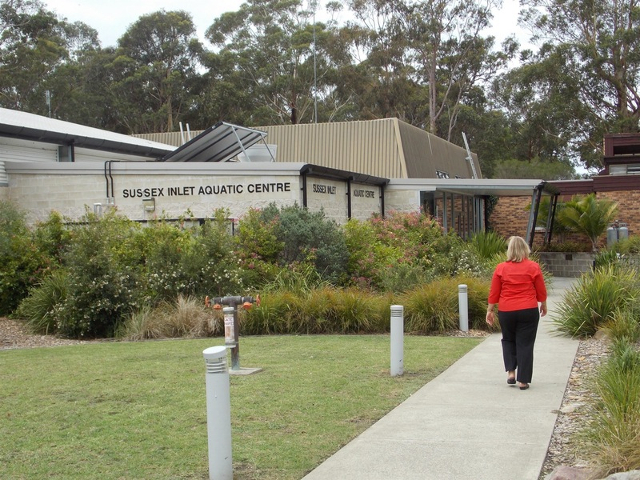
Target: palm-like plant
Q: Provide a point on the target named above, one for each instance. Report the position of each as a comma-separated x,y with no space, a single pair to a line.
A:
588,215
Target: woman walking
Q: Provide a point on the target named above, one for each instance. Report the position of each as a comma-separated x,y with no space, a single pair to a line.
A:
517,287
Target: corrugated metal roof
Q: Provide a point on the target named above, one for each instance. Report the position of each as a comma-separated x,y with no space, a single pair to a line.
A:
426,154
28,126
386,148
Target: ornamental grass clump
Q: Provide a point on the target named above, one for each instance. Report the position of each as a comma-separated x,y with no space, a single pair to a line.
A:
185,317
591,302
434,307
431,308
613,433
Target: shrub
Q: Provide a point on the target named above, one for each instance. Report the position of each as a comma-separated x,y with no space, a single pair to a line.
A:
103,287
588,215
624,324
41,307
22,264
629,245
613,433
278,313
52,237
591,302
257,248
309,235
185,317
487,244
402,277
369,255
435,308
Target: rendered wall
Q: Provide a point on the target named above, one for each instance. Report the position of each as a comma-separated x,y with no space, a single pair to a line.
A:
177,190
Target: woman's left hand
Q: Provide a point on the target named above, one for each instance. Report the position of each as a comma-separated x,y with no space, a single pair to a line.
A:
490,318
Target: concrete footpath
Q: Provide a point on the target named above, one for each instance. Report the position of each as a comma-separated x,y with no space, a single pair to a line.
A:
468,423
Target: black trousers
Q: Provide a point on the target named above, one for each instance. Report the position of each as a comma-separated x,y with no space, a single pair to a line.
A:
519,329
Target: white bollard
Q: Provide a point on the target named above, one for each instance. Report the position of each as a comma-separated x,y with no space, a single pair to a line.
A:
218,414
397,340
463,307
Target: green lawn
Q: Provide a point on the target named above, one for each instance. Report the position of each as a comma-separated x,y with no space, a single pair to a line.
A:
138,410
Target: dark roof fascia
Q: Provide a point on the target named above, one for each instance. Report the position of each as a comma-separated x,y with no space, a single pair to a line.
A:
343,175
571,187
613,183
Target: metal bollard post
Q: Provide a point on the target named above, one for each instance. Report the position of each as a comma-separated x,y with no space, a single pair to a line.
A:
463,307
397,340
218,414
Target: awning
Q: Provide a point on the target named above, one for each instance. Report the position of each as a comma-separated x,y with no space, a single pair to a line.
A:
219,143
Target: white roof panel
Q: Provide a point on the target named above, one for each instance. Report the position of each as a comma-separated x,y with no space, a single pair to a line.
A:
28,126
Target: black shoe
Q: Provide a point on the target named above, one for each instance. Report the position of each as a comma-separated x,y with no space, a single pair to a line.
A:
511,381
524,386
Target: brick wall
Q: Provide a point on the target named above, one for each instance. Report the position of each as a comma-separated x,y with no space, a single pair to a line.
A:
628,207
511,215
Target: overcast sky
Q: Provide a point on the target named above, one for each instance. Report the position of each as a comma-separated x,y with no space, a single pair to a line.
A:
111,18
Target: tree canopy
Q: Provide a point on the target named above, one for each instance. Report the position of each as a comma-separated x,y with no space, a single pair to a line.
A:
429,63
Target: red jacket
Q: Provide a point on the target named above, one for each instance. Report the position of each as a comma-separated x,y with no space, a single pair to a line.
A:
517,286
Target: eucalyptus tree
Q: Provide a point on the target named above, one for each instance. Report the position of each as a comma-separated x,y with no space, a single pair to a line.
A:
381,78
36,49
272,44
597,46
451,55
156,63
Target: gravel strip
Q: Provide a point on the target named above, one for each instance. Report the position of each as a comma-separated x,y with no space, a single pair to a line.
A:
564,449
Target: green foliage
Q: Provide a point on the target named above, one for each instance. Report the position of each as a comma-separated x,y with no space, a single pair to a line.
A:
488,244
397,252
22,264
629,245
613,434
595,298
454,256
588,215
624,324
52,237
606,257
257,248
310,236
434,307
319,311
41,307
184,317
402,277
103,283
299,278
534,169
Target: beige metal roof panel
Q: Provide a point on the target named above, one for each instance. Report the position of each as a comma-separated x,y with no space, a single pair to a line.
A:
369,147
425,154
385,148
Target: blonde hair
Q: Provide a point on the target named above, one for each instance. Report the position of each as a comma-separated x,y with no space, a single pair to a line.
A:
518,250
